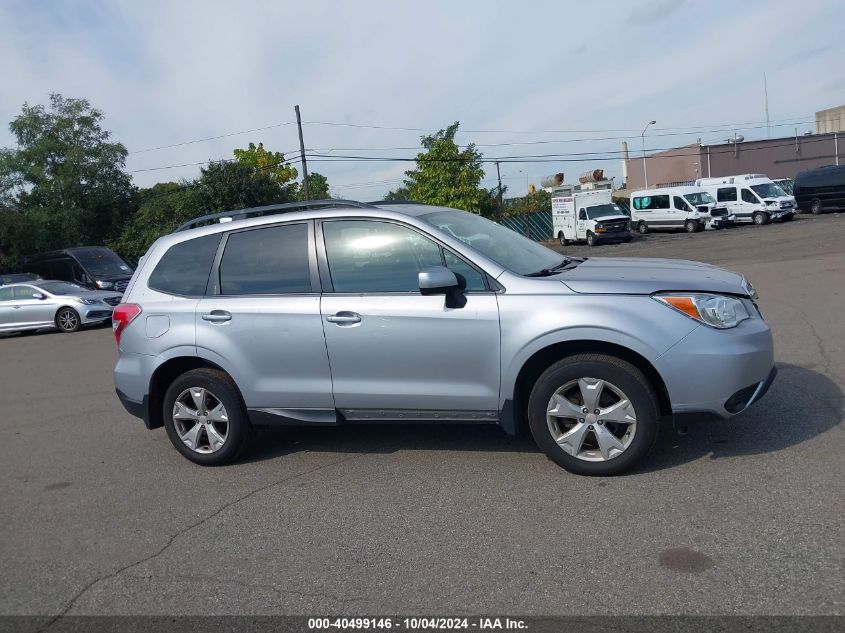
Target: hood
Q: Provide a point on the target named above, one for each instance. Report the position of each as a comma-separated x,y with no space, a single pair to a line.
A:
612,218
636,275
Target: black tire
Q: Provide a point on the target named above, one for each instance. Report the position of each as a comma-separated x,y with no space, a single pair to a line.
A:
222,388
591,239
563,240
690,226
616,371
760,218
816,207
67,320
642,228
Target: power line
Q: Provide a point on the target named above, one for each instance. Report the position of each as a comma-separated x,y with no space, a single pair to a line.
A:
205,162
213,138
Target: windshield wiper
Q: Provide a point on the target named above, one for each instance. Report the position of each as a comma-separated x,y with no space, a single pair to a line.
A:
545,272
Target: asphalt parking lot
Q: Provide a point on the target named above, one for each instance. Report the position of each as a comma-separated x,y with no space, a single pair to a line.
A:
100,516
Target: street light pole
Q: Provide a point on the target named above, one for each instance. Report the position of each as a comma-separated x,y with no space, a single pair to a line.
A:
645,167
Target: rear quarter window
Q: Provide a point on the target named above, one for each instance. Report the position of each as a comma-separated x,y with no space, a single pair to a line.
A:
185,267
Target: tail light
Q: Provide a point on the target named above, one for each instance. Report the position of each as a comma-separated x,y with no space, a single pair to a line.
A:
122,316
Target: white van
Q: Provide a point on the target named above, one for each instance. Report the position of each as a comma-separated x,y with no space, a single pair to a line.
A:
687,208
589,215
750,197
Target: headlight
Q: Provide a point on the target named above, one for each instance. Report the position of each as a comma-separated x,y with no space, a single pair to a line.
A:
87,302
717,311
105,285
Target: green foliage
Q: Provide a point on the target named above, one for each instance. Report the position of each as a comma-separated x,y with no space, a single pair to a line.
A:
318,188
65,180
539,201
446,175
398,194
272,163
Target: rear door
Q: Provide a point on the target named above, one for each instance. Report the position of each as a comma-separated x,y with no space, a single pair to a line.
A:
394,353
260,320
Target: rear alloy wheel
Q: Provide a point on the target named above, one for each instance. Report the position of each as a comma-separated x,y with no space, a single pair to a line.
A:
760,218
642,228
67,320
690,226
205,418
816,207
593,414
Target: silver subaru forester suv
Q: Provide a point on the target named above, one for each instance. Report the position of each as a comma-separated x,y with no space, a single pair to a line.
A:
343,312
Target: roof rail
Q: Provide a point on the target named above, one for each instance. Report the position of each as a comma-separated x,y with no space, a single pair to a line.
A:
271,209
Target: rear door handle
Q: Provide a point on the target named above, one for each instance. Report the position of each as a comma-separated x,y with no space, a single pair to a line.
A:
217,316
344,318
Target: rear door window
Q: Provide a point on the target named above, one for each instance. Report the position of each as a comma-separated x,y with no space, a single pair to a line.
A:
270,260
6,294
185,267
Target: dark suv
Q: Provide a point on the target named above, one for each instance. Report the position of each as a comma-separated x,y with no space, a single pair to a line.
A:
94,267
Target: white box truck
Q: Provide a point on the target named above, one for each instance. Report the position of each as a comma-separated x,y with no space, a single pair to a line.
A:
589,216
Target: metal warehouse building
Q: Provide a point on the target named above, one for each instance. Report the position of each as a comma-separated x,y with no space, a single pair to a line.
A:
776,157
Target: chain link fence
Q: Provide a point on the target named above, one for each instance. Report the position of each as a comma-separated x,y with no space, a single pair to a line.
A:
536,226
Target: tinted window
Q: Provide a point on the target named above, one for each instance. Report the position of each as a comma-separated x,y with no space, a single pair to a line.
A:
650,203
5,294
747,196
62,269
266,261
474,279
680,203
184,268
726,194
369,256
60,288
102,262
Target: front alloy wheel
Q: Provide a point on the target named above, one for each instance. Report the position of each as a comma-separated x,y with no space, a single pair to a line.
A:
591,419
67,320
593,414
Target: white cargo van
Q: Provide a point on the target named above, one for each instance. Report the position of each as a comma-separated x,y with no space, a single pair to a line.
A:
686,208
750,197
589,215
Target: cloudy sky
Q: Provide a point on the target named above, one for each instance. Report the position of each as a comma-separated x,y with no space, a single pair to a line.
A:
525,78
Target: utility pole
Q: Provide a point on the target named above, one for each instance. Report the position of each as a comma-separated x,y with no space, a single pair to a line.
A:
499,175
766,98
302,154
645,167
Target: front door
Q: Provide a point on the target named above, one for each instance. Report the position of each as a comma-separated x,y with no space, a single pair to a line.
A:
31,311
261,321
394,353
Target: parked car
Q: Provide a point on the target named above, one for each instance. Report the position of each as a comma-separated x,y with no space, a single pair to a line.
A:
13,278
46,304
821,189
383,313
94,267
750,197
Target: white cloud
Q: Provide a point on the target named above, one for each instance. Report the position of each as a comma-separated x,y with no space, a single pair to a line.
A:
166,72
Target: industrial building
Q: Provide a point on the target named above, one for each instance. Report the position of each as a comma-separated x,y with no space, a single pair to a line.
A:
776,157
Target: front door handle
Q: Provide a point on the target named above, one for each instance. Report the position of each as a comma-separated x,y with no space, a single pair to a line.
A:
217,316
344,318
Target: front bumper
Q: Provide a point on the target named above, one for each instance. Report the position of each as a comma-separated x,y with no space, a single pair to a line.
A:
612,236
719,372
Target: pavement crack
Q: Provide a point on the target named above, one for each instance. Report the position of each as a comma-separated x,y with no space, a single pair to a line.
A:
172,539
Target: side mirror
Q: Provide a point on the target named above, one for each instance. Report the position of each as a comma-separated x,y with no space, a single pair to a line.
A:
438,280
39,295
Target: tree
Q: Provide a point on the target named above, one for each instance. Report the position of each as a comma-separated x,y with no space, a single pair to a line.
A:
65,178
318,188
398,194
271,163
538,201
445,174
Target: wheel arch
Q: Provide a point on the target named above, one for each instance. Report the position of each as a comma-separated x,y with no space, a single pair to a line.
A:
162,378
514,418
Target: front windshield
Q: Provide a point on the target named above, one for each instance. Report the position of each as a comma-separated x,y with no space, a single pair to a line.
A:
505,247
699,198
61,288
603,211
768,190
102,262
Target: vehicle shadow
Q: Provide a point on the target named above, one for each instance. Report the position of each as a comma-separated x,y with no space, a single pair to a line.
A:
801,404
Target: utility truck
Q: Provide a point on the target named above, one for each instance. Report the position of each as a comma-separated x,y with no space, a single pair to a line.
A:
589,216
